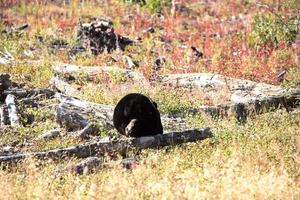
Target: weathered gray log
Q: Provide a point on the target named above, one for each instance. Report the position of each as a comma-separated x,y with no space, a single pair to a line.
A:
117,146
76,114
91,71
8,150
62,86
242,110
6,57
3,116
12,110
22,93
242,90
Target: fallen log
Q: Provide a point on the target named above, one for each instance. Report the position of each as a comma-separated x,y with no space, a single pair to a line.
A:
76,114
116,146
12,110
76,71
246,97
243,110
62,86
22,93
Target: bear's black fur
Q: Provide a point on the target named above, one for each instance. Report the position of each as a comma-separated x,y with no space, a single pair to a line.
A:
136,115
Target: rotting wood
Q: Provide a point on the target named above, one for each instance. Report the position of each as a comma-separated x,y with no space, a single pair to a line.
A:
12,110
116,146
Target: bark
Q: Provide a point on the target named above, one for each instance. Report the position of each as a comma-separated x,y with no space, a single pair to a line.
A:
117,146
12,110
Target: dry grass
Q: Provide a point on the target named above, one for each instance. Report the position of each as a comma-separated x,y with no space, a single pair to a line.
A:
259,160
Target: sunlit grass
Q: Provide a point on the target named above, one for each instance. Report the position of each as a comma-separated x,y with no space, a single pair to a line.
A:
257,160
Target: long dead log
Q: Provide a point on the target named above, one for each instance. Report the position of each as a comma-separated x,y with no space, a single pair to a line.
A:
113,147
62,86
246,97
242,110
90,71
12,110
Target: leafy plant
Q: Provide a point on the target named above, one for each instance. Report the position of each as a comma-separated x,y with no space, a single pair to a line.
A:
272,29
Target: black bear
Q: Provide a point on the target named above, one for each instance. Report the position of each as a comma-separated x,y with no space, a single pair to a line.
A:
135,115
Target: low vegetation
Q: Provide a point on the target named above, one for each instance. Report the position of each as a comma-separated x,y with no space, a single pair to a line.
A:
256,40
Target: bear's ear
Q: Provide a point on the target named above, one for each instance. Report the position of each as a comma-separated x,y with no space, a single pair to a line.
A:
155,104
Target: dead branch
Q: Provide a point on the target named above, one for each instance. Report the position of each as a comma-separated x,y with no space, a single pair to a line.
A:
117,146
